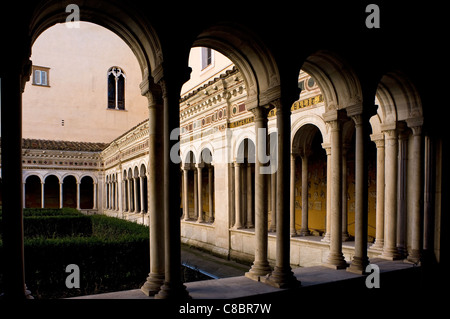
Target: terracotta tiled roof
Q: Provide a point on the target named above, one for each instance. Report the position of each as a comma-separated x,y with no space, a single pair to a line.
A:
28,143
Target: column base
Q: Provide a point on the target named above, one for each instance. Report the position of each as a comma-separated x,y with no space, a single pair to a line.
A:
358,265
346,237
258,270
171,291
390,254
153,284
336,261
305,232
281,278
414,257
326,238
378,245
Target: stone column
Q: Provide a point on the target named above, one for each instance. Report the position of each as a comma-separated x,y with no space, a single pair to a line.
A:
238,196
94,196
326,237
24,194
113,194
60,194
195,193
249,196
200,193
186,192
429,191
210,193
401,190
282,275
155,190
129,193
136,194
292,196
379,233
345,235
42,194
173,78
260,265
335,258
141,190
273,202
415,196
15,72
108,195
304,229
390,195
120,191
78,195
360,259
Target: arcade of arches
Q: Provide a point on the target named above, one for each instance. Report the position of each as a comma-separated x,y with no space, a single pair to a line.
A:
327,159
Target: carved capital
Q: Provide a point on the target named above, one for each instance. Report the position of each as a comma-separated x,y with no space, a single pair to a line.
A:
260,113
415,124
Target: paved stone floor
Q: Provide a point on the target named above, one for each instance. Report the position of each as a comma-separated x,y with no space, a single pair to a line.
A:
233,284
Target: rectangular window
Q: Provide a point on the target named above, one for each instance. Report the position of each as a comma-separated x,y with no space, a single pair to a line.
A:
206,57
40,76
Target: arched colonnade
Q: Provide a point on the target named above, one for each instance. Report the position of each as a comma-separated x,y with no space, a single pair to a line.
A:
270,73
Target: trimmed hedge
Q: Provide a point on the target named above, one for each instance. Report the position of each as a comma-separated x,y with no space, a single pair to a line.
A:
114,257
53,223
49,212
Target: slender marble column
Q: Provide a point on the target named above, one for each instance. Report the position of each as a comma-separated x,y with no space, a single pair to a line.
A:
379,233
42,194
141,190
360,259
200,193
304,231
60,194
155,191
186,193
210,193
345,235
273,202
13,78
238,196
401,191
336,258
195,194
174,77
94,196
260,265
390,195
326,237
78,195
249,196
24,194
415,198
129,194
120,192
136,194
292,196
282,275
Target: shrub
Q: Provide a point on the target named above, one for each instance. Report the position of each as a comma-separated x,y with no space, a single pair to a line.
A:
114,257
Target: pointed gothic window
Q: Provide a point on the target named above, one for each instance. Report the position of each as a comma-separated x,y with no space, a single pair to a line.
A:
116,88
